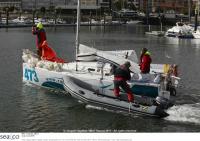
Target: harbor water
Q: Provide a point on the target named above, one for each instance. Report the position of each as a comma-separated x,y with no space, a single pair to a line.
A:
27,108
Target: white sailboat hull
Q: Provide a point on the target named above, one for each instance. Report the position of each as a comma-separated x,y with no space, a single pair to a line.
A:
43,77
156,33
58,76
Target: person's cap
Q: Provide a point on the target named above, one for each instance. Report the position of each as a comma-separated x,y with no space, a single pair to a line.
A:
127,63
39,25
144,49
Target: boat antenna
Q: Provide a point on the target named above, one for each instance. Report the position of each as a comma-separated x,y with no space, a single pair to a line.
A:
77,32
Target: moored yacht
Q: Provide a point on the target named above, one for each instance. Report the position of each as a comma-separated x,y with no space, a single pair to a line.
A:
181,30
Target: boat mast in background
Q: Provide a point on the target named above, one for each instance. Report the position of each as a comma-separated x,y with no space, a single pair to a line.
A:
189,11
196,16
77,32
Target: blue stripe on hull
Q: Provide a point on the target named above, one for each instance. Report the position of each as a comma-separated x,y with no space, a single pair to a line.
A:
53,85
145,90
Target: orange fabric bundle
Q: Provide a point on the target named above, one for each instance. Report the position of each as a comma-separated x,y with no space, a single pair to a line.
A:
49,54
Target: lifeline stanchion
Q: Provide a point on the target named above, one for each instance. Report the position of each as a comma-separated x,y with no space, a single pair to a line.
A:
129,109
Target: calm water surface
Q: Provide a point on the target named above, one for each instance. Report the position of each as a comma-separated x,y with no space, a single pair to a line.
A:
32,109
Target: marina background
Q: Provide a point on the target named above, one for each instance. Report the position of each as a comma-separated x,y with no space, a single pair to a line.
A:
27,12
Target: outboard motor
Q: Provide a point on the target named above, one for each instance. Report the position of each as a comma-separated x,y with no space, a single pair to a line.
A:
161,112
171,88
163,103
100,66
172,79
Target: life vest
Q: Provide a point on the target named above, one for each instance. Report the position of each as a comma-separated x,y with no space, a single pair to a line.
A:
122,73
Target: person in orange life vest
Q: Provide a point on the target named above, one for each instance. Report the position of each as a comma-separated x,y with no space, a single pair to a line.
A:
41,37
121,75
145,61
47,53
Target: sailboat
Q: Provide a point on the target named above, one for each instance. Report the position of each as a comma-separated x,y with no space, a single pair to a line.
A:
156,33
90,81
181,30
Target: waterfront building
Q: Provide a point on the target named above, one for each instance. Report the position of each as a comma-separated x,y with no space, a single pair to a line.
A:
63,4
37,4
10,3
135,2
179,6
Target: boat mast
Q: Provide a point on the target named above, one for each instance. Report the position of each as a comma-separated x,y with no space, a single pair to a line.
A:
77,32
189,11
196,16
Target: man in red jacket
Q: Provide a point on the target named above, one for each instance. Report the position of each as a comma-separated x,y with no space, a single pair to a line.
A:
41,37
121,75
145,61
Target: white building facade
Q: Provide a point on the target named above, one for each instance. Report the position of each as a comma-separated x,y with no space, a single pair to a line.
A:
10,3
64,4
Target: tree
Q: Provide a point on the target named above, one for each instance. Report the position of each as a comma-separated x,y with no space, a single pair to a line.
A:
11,9
43,11
52,8
120,4
132,6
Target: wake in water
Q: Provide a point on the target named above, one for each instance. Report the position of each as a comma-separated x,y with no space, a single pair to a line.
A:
99,108
185,113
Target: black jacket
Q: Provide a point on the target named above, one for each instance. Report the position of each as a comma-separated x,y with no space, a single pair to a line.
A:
123,72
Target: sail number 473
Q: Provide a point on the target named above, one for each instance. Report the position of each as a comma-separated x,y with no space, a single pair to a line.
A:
31,75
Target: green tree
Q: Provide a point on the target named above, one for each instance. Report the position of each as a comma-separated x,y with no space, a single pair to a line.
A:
11,9
120,4
132,6
43,11
52,8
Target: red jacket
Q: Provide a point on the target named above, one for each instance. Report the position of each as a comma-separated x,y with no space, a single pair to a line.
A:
41,36
145,61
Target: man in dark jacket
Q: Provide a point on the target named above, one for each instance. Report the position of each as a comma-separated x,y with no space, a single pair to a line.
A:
41,36
121,75
145,61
